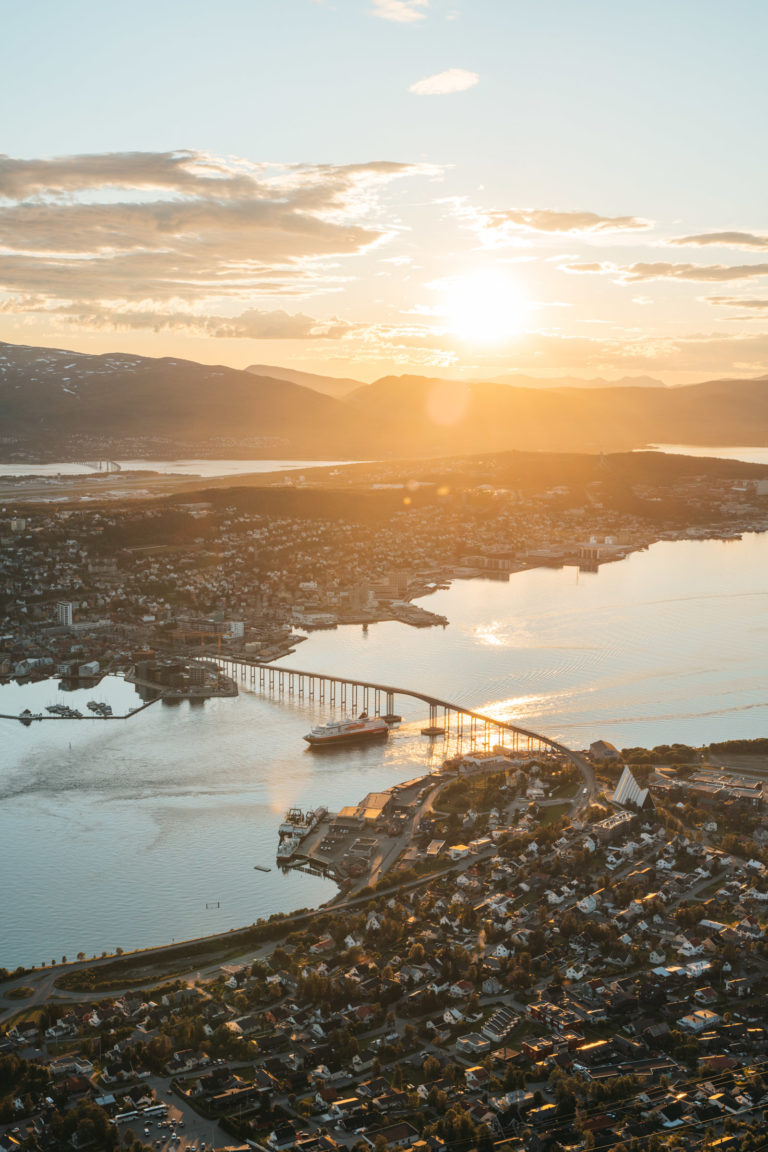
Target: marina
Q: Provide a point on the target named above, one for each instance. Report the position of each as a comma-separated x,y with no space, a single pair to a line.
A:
65,712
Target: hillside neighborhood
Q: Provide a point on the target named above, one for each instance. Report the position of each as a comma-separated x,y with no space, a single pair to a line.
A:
594,981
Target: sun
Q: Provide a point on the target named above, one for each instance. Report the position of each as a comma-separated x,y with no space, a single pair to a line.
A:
485,306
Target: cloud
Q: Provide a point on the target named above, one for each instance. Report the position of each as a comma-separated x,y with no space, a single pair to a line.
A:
401,11
251,324
443,83
754,307
697,273
184,226
497,227
546,353
724,239
550,220
592,267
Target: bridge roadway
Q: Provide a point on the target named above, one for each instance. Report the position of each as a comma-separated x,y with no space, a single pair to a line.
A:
323,687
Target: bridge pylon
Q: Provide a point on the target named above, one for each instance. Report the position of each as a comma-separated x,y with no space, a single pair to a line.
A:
434,728
390,715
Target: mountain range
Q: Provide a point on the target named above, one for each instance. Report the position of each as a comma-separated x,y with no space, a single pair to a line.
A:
343,386
54,401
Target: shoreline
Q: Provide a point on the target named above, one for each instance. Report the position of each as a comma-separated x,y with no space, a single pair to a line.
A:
332,899
198,951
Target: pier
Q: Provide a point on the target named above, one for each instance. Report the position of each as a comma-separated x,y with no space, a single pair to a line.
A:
30,717
445,719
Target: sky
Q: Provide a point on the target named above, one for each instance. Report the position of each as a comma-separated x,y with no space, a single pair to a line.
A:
468,188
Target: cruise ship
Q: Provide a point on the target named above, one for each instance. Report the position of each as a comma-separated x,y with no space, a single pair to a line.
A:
348,731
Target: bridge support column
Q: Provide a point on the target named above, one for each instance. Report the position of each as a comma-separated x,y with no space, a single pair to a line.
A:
390,715
433,728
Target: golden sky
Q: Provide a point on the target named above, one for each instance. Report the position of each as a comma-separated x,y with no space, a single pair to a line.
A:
390,186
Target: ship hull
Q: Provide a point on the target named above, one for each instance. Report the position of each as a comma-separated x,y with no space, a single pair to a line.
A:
361,737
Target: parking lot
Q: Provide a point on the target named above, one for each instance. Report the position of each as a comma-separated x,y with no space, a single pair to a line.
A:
180,1128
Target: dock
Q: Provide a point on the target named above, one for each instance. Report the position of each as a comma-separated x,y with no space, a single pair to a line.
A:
359,841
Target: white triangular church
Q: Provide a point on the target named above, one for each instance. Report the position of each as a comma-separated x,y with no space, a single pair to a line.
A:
628,791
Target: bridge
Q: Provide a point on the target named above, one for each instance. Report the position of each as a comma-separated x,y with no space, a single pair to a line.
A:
445,718
101,465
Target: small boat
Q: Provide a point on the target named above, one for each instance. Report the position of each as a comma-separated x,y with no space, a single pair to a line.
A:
261,868
27,717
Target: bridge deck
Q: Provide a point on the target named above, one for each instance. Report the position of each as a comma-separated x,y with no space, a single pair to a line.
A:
390,689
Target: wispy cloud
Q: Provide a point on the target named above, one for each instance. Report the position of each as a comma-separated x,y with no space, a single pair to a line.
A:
723,240
553,352
183,228
696,273
554,221
401,11
443,83
251,324
754,307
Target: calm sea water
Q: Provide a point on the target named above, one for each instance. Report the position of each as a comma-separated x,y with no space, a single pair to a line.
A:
239,467
177,467
749,455
141,831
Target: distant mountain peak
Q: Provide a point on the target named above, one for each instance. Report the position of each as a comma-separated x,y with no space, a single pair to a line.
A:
338,386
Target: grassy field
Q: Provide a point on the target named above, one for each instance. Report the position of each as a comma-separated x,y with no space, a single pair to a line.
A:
553,814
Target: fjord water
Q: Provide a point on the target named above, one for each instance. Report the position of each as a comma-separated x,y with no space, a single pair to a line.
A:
141,831
205,467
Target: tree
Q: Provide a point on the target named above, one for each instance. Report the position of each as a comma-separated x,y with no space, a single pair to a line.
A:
416,954
485,1140
431,1068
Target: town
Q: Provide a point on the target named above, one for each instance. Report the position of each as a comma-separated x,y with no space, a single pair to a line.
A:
533,971
531,949
241,570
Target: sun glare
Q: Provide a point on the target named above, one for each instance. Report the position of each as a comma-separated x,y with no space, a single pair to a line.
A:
484,306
